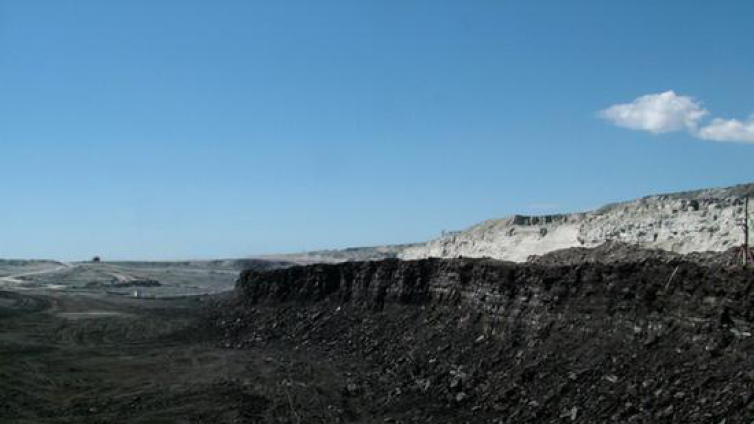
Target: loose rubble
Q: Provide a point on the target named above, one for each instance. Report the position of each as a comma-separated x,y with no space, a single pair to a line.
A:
577,336
694,221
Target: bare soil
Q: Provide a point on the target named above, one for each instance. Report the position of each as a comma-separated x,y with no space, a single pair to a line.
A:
579,336
68,358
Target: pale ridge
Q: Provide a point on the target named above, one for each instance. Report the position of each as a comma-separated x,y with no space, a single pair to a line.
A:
704,220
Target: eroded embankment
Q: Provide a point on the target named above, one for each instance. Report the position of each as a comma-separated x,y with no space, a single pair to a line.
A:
485,341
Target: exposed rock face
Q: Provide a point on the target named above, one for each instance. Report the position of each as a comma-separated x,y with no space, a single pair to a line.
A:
657,338
496,286
705,220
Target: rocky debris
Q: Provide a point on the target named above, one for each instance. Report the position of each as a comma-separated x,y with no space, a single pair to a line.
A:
686,222
610,252
698,221
728,258
653,339
618,252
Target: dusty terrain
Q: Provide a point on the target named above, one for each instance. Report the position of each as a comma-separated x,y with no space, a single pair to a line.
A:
76,346
149,279
614,334
685,222
73,358
650,338
694,221
10,267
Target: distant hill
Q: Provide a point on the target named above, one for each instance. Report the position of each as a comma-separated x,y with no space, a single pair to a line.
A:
342,255
684,222
20,266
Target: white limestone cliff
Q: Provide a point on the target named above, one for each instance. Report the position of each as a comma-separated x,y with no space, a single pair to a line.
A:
704,220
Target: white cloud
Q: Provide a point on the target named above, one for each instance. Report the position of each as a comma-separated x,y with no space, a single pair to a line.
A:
668,112
657,113
728,130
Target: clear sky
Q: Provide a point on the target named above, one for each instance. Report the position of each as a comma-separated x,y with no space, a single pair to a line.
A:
190,129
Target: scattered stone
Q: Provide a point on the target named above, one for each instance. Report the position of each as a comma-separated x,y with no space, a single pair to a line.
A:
590,342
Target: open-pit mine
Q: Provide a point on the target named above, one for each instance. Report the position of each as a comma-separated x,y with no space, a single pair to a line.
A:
638,312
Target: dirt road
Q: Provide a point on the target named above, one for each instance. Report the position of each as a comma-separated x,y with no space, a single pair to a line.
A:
18,278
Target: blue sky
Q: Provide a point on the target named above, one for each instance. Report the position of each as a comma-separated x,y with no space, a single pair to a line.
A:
189,129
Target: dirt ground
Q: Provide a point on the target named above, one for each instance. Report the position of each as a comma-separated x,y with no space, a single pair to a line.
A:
646,339
593,336
68,358
156,279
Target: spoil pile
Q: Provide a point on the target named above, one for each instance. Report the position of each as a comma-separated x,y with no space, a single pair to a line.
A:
610,252
618,252
564,338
